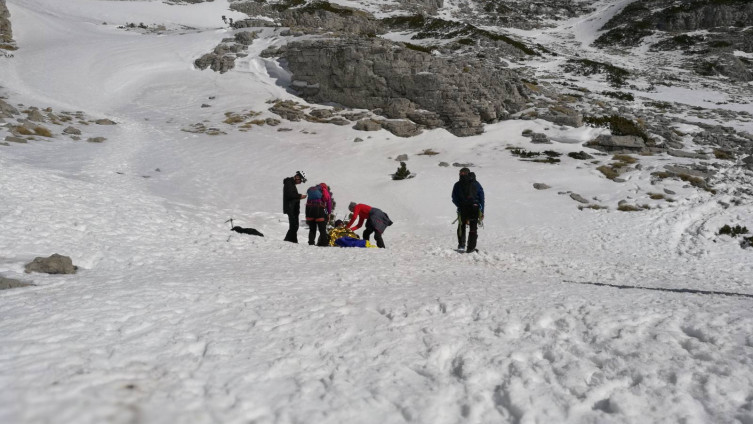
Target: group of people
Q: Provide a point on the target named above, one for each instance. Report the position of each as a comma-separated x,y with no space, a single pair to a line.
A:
467,195
319,207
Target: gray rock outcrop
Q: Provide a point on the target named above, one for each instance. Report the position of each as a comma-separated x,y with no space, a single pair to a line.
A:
324,16
6,32
6,110
55,264
618,143
398,81
10,283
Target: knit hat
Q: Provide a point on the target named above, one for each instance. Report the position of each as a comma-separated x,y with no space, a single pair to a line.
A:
301,175
352,206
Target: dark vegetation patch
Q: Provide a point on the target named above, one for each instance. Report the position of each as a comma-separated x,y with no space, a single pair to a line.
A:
616,76
617,124
619,95
419,48
402,172
550,156
428,27
733,231
630,35
679,42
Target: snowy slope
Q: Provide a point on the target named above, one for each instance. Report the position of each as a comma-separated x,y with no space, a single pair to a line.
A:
170,318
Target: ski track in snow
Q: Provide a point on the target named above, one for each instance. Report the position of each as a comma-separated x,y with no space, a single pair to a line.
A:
172,318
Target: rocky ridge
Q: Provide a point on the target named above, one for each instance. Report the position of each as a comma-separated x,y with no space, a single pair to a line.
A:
708,32
399,82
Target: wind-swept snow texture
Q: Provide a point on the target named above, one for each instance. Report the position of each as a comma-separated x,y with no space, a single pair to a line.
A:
172,318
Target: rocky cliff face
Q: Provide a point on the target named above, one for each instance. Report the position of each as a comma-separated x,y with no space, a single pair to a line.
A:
400,82
6,34
673,24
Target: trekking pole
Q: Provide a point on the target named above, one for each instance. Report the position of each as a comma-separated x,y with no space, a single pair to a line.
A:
231,229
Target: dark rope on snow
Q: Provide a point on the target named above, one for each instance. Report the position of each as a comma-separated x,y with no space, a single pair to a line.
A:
691,291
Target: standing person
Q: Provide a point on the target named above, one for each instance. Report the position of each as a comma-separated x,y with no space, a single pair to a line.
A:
291,203
318,208
376,221
468,196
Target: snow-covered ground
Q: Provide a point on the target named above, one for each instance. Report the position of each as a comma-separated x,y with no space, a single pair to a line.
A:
172,318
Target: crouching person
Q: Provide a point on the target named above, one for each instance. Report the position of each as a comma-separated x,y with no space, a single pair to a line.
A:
376,221
343,236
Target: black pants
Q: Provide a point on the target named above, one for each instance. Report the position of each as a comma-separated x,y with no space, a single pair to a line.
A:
377,236
468,216
322,226
316,217
292,235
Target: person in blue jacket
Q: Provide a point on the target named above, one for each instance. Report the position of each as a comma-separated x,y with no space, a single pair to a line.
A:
468,197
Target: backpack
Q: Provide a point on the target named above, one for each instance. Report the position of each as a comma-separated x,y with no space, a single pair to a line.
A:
469,192
314,193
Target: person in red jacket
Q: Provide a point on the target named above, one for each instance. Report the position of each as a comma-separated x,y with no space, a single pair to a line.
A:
376,221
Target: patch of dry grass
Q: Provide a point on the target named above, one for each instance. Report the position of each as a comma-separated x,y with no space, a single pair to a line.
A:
42,131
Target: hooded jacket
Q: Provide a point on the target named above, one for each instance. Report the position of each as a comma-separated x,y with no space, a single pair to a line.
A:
291,199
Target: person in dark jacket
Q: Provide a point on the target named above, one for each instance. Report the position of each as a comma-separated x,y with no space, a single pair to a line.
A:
291,204
468,197
376,221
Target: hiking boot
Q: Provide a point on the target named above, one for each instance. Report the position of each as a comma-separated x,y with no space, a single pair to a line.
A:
461,247
471,250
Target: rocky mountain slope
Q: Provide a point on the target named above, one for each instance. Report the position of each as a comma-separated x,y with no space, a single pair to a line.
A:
407,66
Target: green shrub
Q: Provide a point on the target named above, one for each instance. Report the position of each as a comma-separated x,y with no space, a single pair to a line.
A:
402,172
616,76
733,231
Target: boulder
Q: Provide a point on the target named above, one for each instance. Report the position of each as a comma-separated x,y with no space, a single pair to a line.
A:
104,122
287,110
72,131
578,198
686,154
246,37
35,115
541,186
217,62
321,113
55,264
15,139
367,125
563,115
6,110
402,128
540,138
618,143
9,283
